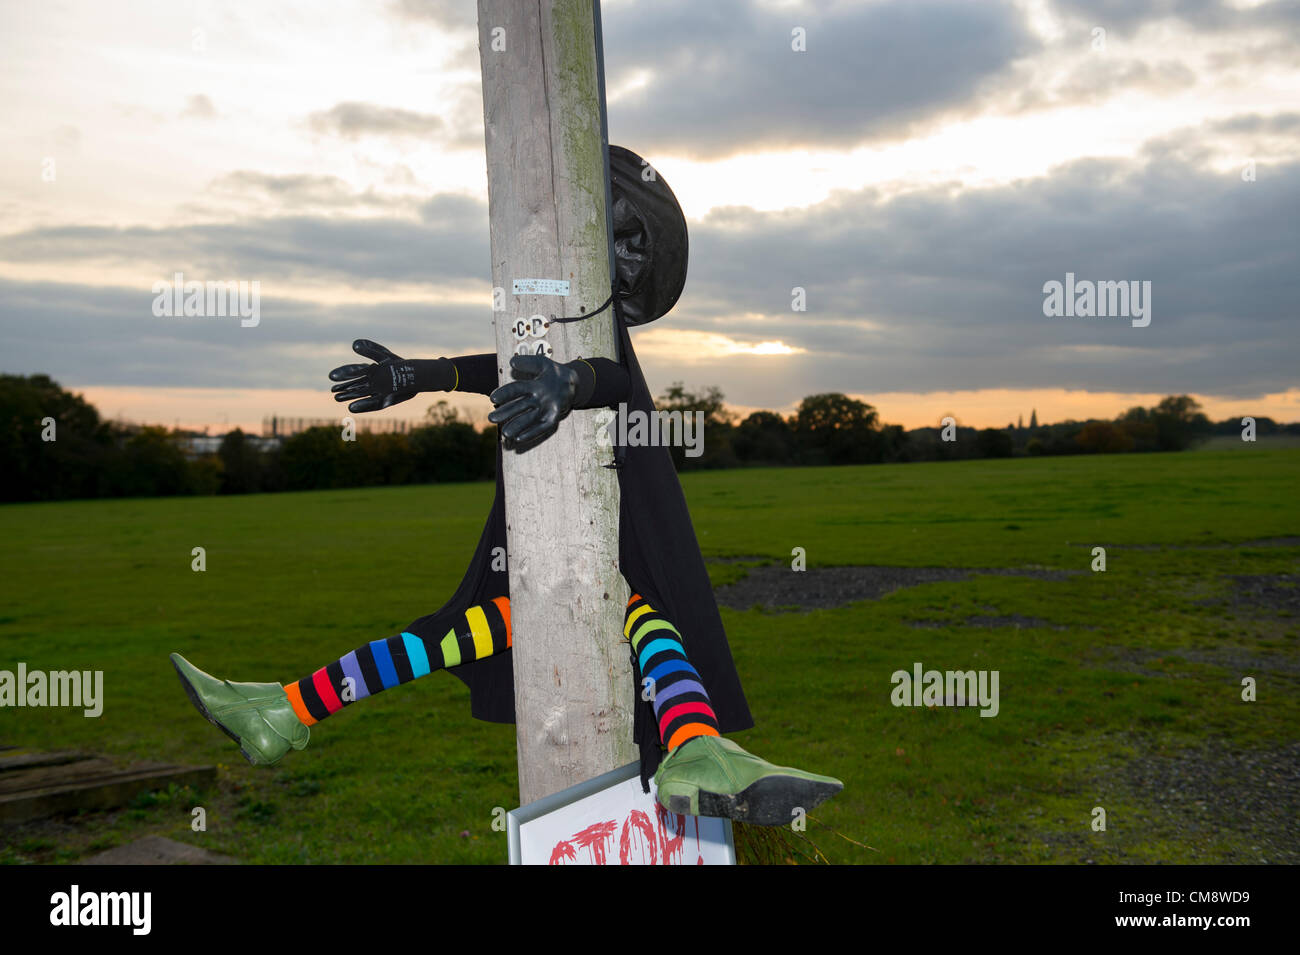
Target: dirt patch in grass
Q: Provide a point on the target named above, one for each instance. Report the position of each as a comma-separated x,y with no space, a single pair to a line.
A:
1236,660
777,586
1275,592
1246,799
1212,802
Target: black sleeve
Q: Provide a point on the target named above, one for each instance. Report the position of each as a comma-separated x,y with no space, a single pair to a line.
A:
602,383
476,374
431,374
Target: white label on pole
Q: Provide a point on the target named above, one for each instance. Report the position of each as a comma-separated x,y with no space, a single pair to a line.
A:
542,347
541,287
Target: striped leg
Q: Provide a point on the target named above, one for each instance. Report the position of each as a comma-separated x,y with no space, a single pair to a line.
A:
431,643
680,701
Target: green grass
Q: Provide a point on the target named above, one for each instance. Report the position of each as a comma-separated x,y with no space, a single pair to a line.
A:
1230,442
295,580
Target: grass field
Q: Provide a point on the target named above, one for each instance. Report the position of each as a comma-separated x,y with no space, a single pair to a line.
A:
1119,689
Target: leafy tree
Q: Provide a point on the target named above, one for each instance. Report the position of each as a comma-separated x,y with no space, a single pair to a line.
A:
765,438
994,443
1103,437
241,464
313,459
152,464
677,398
441,413
717,430
1138,427
35,469
1179,422
449,452
836,429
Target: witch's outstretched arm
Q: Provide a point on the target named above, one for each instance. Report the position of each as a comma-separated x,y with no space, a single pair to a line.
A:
597,382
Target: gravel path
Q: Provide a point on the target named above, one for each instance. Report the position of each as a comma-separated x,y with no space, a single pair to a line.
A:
1276,592
820,587
1218,790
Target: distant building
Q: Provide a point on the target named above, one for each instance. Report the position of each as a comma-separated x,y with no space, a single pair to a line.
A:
279,428
196,445
203,443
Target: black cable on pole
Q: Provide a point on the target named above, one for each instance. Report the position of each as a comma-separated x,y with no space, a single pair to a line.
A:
609,201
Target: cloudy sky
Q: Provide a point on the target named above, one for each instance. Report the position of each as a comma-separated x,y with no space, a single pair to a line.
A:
921,169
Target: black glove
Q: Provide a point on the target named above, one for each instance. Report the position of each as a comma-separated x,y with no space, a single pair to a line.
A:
530,408
377,386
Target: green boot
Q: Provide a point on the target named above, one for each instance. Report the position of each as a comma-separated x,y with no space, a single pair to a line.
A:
257,716
712,776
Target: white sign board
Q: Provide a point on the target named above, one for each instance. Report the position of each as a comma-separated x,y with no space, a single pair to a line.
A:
540,287
610,821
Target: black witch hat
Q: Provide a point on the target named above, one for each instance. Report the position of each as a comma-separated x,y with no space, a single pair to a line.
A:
650,242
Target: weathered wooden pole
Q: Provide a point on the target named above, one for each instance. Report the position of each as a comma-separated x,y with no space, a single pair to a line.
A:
542,110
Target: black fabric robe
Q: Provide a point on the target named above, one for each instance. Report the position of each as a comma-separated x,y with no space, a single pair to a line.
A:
660,559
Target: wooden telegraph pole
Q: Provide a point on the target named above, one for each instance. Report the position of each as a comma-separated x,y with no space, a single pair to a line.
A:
543,100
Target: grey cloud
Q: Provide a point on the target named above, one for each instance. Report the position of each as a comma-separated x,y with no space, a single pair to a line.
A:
1095,79
957,283
925,291
304,192
353,120
450,13
1280,124
725,79
1251,56
300,186
1248,135
1127,15
444,246
453,15
86,336
199,106
1098,78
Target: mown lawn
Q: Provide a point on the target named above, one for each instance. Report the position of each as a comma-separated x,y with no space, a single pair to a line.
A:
1107,676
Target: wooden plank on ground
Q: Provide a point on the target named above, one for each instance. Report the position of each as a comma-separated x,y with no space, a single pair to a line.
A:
45,788
16,761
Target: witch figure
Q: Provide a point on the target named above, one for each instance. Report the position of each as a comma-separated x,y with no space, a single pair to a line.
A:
674,632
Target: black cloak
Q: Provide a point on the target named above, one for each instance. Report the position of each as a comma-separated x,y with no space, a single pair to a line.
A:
659,555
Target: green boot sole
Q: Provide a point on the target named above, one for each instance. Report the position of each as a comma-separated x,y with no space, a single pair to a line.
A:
713,776
257,716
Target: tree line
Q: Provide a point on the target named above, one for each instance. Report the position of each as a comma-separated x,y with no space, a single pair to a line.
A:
55,445
836,429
